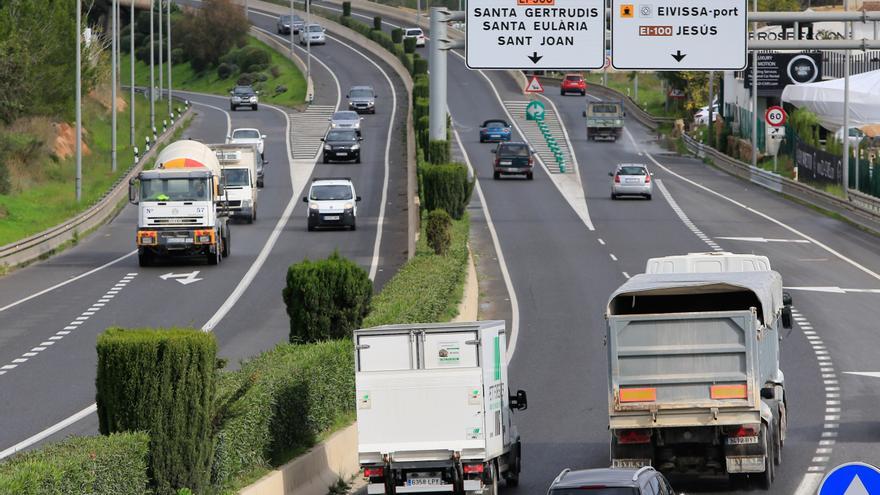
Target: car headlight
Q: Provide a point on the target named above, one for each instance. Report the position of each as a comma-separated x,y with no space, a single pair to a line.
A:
245,202
253,99
327,147
349,206
371,103
355,147
313,206
333,125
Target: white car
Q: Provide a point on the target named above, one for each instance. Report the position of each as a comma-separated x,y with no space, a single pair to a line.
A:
856,136
702,116
332,203
312,33
416,33
247,135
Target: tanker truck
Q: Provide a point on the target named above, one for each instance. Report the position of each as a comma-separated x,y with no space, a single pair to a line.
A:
180,209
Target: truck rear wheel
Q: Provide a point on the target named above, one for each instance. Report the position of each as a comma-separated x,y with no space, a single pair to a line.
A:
213,257
765,479
145,258
492,483
514,464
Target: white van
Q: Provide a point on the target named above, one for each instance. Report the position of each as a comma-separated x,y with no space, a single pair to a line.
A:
241,169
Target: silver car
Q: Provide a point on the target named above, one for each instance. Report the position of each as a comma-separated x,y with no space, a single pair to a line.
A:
313,34
346,119
631,179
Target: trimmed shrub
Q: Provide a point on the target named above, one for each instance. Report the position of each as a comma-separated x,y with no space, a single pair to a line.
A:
275,71
247,79
420,108
224,70
102,465
257,68
438,231
250,56
409,45
422,124
446,186
161,382
377,23
326,299
262,77
178,55
278,403
438,151
280,89
346,9
428,287
383,39
397,35
420,65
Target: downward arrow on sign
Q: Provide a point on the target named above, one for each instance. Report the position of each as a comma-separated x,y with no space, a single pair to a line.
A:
678,55
534,57
183,278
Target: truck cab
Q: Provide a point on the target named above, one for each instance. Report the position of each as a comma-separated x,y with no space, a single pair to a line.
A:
242,174
604,119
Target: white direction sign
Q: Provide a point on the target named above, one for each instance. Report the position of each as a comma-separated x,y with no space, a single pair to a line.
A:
678,34
535,34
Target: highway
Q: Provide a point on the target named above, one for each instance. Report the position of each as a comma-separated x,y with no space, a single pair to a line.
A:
561,270
563,273
48,376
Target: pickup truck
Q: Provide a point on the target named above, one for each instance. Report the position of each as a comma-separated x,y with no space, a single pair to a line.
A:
604,119
433,408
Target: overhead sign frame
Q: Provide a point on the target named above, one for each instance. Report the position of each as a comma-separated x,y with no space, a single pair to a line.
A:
582,49
640,16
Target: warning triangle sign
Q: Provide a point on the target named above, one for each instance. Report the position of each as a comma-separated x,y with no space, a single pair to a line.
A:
534,86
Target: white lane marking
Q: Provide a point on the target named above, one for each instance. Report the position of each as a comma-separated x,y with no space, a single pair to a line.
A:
49,431
583,215
684,218
8,367
602,242
612,256
374,265
71,280
22,360
47,343
836,290
505,274
38,349
626,275
30,354
763,215
764,240
871,374
182,278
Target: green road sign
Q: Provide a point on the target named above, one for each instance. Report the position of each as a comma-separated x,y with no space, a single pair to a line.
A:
535,110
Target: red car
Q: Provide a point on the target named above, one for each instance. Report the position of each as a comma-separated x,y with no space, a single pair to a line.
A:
573,83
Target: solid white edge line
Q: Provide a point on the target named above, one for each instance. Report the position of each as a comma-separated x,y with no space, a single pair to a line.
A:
228,117
49,431
587,221
763,215
380,223
505,274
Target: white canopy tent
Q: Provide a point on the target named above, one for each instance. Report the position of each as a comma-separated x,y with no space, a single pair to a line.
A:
825,99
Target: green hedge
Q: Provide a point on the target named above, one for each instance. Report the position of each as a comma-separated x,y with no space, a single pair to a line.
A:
102,465
161,382
438,231
421,86
278,404
445,186
396,35
420,65
439,152
346,9
428,287
326,299
409,45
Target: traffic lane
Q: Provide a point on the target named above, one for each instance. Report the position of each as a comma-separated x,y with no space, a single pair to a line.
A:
56,386
562,278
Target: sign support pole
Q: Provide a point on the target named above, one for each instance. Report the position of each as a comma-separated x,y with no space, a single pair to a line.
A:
437,64
754,94
846,70
710,137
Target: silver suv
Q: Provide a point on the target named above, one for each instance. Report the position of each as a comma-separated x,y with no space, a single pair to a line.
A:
361,99
611,481
243,96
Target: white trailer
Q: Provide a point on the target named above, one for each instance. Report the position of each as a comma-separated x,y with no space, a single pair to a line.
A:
434,410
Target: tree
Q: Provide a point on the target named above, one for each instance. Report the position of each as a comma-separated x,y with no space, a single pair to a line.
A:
211,31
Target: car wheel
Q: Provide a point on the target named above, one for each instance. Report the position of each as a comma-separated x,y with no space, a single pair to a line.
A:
231,107
584,93
353,225
648,197
254,216
765,479
482,140
358,159
514,465
311,227
562,92
227,241
325,159
530,175
496,175
613,196
253,107
492,488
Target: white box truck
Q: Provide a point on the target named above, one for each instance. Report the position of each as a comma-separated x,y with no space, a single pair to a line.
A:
433,408
242,172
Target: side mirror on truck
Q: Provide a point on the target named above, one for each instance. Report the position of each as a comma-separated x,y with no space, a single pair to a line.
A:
133,192
786,310
520,401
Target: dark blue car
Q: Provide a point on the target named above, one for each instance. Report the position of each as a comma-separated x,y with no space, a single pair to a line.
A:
494,131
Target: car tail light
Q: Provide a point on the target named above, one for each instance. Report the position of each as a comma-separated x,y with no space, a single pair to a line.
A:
647,179
633,436
617,178
497,162
743,431
472,468
648,394
735,391
374,472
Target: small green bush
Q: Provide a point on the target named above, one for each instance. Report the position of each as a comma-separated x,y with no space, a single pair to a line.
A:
377,23
446,186
250,56
102,465
5,183
423,123
438,151
275,71
409,45
346,9
438,231
420,108
257,68
161,382
224,70
280,89
421,86
326,299
247,78
420,65
178,55
262,77
278,403
397,35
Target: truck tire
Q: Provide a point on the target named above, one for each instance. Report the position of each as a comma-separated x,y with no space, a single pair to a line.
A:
492,483
145,258
514,465
226,237
765,480
213,258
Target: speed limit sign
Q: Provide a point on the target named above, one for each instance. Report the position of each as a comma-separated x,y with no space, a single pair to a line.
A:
775,116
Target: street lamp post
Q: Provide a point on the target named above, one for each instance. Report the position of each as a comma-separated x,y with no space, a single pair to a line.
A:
161,77
846,69
114,48
168,38
78,180
291,29
754,93
131,76
308,40
152,75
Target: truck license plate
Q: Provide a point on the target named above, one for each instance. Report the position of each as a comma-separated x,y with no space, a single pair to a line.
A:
741,440
179,240
424,482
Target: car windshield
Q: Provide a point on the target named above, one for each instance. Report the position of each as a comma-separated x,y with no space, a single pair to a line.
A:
361,93
246,134
182,189
604,109
284,18
595,490
330,193
297,18
345,116
236,176
342,135
413,32
632,171
496,125
243,91
517,150
573,78
315,28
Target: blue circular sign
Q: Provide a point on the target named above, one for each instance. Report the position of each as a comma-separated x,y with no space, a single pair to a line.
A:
854,478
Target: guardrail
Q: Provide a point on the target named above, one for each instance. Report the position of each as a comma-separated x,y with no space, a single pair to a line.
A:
46,242
861,208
